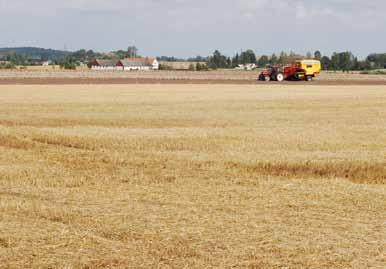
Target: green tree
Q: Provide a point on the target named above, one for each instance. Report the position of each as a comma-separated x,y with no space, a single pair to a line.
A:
344,61
283,58
273,59
334,63
80,55
248,57
68,63
292,57
236,60
229,62
17,59
121,54
217,60
317,55
90,55
263,61
377,60
326,63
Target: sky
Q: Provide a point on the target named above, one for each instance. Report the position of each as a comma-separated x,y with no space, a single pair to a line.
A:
185,28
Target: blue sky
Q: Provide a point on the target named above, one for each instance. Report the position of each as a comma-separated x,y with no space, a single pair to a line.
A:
195,27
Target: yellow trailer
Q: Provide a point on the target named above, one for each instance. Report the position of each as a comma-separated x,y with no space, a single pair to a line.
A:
310,68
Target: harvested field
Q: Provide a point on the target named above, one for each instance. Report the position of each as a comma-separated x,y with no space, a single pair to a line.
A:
192,176
234,77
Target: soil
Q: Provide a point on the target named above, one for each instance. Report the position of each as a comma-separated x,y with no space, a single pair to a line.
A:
74,81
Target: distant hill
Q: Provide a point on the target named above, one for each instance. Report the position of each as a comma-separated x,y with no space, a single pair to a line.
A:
35,53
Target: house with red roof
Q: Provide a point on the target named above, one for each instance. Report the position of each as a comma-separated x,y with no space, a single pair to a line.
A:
100,64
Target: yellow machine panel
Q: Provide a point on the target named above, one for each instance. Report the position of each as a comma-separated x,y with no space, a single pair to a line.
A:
312,67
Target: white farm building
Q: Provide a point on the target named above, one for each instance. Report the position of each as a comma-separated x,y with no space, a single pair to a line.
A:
126,64
138,64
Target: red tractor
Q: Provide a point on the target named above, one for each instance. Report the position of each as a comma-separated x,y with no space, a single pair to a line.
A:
301,70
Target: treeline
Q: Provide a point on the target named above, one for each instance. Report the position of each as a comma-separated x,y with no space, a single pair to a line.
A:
344,61
67,60
14,59
29,56
32,53
84,57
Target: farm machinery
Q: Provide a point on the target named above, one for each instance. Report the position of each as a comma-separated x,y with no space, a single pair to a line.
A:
300,70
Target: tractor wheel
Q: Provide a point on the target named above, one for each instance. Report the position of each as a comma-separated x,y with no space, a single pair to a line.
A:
280,77
308,78
267,78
